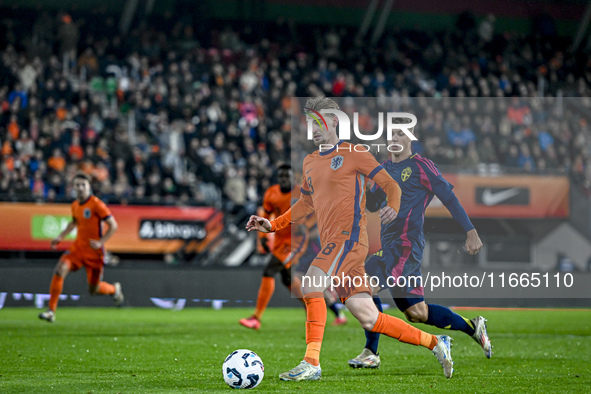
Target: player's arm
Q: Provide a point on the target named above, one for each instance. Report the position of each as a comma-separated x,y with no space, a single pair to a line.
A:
71,226
438,185
473,242
367,164
302,208
105,215
112,227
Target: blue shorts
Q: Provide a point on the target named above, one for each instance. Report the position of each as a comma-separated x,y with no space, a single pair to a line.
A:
401,275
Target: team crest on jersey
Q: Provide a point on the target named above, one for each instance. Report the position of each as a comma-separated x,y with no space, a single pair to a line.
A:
336,162
86,213
406,174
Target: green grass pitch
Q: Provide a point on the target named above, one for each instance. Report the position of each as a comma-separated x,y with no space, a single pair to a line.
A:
90,350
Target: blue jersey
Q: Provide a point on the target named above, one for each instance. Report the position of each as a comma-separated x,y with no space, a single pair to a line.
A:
420,180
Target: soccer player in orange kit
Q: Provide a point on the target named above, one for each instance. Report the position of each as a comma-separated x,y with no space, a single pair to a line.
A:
277,200
334,188
88,213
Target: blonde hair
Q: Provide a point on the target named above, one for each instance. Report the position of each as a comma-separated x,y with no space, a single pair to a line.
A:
320,103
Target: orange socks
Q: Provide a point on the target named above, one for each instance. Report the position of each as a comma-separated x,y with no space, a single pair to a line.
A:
55,289
315,322
428,340
265,293
404,332
106,288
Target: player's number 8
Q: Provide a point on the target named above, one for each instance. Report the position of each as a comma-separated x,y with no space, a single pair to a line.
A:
328,250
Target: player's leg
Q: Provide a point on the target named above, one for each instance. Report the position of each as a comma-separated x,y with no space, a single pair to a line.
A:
363,308
313,287
299,267
62,268
295,286
359,302
375,268
289,256
443,317
314,282
292,282
266,290
331,303
96,285
94,276
369,356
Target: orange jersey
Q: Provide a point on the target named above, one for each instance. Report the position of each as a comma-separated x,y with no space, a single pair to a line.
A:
88,217
334,187
275,202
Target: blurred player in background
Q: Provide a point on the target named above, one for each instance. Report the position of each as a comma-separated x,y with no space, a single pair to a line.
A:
334,188
88,213
403,242
276,201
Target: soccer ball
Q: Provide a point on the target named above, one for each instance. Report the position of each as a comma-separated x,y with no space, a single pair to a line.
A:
243,369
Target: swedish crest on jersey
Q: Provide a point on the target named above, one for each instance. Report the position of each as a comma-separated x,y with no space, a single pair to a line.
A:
336,162
406,174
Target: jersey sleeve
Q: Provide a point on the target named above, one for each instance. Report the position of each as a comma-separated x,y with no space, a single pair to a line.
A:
102,210
368,165
434,182
302,208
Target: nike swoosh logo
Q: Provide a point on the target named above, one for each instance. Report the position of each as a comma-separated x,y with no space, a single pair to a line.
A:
309,170
489,198
297,374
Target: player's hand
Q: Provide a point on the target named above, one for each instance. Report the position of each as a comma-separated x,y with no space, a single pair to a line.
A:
473,242
387,215
258,223
55,242
96,244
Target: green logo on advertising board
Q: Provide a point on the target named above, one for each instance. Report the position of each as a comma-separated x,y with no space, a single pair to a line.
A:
50,226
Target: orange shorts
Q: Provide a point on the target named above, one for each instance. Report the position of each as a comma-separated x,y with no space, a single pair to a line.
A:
76,260
289,252
343,260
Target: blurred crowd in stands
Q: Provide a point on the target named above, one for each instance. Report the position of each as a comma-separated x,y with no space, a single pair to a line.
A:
166,114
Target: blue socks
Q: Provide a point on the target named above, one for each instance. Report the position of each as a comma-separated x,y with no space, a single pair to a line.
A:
373,338
442,317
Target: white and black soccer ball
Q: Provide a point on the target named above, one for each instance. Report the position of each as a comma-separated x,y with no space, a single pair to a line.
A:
243,369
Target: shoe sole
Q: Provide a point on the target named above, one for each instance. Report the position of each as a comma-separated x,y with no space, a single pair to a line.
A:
363,366
247,326
317,376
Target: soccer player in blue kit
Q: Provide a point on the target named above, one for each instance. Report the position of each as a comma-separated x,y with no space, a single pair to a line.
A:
403,242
